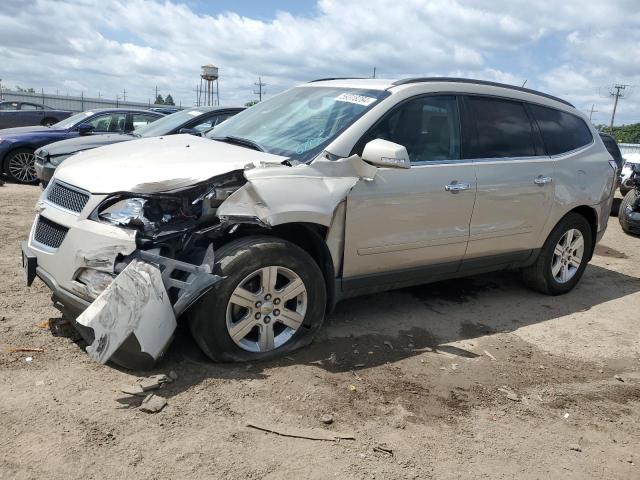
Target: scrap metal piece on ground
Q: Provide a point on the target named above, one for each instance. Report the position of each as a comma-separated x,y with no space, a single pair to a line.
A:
309,434
135,309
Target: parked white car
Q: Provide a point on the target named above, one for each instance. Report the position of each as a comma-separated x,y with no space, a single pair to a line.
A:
335,188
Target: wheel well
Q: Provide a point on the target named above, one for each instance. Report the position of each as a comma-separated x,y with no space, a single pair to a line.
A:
592,217
309,237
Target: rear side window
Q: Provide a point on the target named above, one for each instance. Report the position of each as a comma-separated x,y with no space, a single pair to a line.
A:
561,131
503,129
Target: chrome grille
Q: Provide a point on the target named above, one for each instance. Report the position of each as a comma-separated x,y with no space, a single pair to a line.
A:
66,197
49,233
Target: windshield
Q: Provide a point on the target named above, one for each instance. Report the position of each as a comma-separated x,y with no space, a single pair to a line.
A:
167,124
300,122
72,120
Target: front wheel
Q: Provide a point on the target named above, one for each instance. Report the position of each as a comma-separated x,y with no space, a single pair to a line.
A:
19,166
271,301
563,257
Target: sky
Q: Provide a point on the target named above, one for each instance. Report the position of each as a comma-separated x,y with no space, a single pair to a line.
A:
575,49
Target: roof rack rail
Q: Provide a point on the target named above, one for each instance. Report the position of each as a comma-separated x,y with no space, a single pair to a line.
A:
406,81
336,78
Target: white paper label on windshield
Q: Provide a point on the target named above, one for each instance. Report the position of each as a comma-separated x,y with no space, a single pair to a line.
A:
193,113
355,98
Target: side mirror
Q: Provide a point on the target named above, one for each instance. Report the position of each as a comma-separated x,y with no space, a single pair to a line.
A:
190,131
85,129
383,153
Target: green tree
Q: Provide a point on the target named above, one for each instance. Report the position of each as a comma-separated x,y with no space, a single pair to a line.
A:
251,103
159,100
168,100
625,133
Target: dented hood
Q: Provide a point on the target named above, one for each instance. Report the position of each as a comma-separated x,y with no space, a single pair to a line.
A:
157,164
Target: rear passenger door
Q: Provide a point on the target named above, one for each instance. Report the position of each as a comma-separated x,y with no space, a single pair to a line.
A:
515,181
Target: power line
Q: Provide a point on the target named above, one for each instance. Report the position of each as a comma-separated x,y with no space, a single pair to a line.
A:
619,93
259,84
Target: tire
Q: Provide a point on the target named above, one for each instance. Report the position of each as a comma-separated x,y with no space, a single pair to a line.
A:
615,206
19,166
241,263
628,200
47,122
542,277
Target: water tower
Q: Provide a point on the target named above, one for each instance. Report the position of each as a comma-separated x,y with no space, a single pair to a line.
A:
208,75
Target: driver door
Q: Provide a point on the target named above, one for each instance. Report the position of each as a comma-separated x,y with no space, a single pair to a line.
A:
405,224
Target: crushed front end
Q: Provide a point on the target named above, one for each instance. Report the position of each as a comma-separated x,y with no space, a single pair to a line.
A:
123,267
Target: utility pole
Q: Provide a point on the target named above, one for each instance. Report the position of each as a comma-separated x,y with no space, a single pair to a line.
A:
619,93
124,94
374,72
259,84
592,111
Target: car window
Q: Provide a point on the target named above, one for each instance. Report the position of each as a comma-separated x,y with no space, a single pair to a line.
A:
428,127
30,106
211,122
503,129
142,119
9,106
109,122
561,131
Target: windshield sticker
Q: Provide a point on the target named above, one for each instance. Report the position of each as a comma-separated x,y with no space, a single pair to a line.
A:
355,98
193,113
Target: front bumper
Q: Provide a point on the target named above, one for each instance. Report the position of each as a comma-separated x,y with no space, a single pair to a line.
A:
44,170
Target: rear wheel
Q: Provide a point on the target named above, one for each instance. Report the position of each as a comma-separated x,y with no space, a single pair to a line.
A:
627,205
19,166
272,301
563,257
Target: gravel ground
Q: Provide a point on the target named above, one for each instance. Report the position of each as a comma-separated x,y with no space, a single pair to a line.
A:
471,378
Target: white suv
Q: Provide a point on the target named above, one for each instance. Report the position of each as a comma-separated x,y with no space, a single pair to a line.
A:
331,189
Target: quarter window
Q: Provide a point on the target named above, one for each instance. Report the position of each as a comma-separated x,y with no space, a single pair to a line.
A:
561,131
503,129
428,127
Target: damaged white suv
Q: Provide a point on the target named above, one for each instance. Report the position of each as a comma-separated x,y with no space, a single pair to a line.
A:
335,188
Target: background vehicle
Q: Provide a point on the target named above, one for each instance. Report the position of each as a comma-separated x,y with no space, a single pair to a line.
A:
613,149
194,120
17,145
629,214
165,110
20,114
332,189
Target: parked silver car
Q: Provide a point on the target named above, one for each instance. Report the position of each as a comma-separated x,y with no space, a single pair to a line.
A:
335,188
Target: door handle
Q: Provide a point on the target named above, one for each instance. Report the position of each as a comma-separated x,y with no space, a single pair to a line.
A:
541,180
455,187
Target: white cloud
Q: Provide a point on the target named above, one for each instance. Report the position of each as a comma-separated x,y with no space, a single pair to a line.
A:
94,46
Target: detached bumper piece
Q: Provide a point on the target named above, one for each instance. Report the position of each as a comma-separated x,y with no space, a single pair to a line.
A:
133,320
135,305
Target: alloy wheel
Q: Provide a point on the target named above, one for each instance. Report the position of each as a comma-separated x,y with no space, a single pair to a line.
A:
266,309
22,167
567,256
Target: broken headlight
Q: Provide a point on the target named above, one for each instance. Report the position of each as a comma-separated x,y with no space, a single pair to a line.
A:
149,212
124,212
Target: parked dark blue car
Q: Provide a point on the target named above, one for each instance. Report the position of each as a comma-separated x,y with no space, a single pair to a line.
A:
17,145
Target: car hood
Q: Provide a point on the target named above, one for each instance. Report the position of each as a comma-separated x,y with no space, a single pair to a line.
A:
78,144
7,132
157,164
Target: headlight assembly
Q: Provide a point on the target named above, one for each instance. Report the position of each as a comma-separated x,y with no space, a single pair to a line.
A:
129,211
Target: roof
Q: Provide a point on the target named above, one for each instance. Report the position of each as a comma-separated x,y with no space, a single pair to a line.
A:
387,84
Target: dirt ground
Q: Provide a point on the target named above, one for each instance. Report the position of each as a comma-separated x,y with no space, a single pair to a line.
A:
472,378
